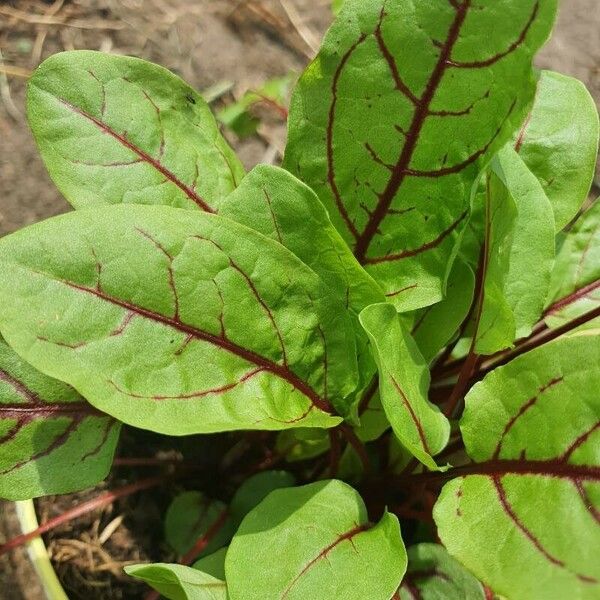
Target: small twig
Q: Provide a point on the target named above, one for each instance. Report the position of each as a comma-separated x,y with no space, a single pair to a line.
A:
15,71
20,15
84,508
308,37
6,96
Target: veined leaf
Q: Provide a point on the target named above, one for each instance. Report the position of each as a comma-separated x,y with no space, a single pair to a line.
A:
436,325
177,321
575,284
519,254
532,428
280,552
433,574
114,129
559,142
393,121
276,204
51,440
177,582
189,516
403,385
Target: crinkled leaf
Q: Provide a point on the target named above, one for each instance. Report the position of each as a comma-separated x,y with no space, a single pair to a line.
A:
276,204
189,516
177,582
255,489
525,518
433,574
403,385
51,440
436,325
315,542
394,119
177,321
575,284
559,142
114,129
519,254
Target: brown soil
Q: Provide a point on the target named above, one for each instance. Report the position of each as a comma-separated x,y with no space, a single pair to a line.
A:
206,41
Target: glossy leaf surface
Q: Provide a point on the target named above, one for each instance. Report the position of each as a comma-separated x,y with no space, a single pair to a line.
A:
115,129
51,440
526,520
559,142
177,321
394,119
279,550
433,574
404,384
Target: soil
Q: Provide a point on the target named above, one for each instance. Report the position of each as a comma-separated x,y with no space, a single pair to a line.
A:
205,41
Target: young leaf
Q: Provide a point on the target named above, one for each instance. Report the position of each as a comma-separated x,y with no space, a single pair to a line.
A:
575,283
393,121
177,582
302,444
403,385
114,129
255,489
436,325
274,93
189,516
51,440
177,321
519,254
315,542
433,574
276,204
559,142
525,518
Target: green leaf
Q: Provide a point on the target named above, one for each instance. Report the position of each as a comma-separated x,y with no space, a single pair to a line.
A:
436,325
525,518
177,321
575,284
394,119
51,440
114,129
274,93
255,489
177,582
315,542
189,516
434,575
276,204
519,254
336,6
302,444
559,142
213,564
373,420
403,384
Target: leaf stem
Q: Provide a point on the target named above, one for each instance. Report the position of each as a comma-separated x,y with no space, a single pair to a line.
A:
82,509
358,446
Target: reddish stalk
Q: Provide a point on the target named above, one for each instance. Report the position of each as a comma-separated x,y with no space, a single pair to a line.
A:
146,462
201,545
86,507
358,446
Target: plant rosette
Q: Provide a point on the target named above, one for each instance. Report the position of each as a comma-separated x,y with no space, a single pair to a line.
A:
405,315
